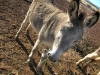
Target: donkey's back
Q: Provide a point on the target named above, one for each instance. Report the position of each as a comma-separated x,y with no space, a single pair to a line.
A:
43,13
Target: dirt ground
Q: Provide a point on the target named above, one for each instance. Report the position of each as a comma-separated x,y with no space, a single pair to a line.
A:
13,56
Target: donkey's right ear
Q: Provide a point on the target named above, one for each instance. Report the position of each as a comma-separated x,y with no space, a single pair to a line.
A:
91,19
73,8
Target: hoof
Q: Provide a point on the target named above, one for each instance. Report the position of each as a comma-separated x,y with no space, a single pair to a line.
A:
77,63
39,71
30,64
16,37
29,61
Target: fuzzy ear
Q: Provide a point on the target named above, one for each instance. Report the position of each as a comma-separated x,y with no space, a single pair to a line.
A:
91,19
73,8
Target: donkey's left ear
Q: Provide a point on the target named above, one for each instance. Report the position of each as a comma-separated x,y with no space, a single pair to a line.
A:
91,19
73,8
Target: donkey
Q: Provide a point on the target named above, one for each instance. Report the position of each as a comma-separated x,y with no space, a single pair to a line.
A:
94,58
59,31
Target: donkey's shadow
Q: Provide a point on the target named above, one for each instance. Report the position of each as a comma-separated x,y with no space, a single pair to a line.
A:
81,70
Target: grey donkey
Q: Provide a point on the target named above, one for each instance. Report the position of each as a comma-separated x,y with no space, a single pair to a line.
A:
58,30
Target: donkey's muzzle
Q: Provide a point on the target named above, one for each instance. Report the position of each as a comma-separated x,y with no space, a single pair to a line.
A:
51,58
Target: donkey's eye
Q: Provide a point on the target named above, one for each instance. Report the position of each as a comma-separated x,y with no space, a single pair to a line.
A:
58,37
75,41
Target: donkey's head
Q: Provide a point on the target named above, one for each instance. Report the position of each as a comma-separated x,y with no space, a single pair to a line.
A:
71,30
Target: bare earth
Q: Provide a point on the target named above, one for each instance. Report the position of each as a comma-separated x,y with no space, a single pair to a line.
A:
13,56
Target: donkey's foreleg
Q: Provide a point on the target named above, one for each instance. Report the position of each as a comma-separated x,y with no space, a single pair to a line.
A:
34,50
26,20
42,61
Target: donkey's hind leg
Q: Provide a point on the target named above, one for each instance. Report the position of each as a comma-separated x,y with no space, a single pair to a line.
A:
89,56
24,23
27,34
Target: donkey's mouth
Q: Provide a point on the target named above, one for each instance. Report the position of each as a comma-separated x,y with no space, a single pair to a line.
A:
54,55
51,59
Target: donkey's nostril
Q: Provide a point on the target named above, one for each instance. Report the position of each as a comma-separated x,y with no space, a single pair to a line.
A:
54,61
49,54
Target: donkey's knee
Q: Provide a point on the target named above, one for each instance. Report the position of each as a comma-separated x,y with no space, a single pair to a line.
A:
43,57
27,31
42,61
